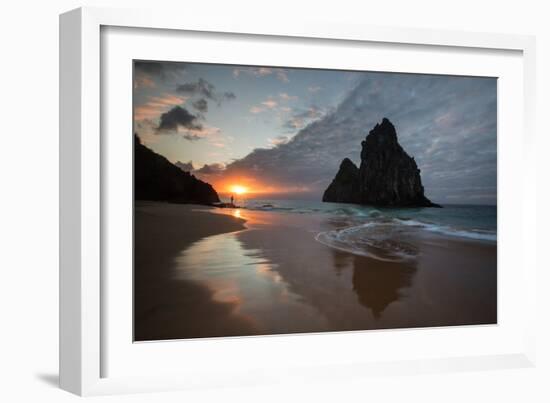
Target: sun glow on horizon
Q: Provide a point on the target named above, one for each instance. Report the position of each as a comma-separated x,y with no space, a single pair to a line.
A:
252,188
240,190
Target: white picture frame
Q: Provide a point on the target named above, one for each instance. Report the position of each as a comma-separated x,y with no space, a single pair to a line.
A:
83,173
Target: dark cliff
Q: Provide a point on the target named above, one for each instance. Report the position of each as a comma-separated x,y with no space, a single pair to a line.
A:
156,178
387,176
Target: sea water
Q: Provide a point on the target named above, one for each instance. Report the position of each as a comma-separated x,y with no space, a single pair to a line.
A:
363,228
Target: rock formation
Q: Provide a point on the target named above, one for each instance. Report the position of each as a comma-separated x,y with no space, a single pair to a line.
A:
156,178
345,186
388,176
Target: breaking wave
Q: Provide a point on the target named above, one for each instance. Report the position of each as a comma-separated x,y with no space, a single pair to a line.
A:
392,240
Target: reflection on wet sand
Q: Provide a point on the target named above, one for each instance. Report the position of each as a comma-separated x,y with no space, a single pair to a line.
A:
248,279
379,285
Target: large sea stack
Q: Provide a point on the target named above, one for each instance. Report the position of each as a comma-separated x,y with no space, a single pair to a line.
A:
156,178
387,177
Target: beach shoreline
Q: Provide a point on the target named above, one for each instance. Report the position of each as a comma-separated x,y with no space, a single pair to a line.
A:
161,231
207,274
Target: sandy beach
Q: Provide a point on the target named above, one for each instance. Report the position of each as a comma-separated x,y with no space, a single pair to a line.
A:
204,272
165,308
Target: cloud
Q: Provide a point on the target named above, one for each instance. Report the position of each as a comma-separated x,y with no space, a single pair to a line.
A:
192,135
300,118
156,105
280,74
162,70
270,103
210,169
201,87
448,123
314,88
256,109
176,118
284,96
185,166
213,134
201,105
279,140
205,89
146,130
255,71
143,81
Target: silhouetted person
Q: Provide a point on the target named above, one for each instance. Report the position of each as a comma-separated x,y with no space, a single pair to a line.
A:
232,199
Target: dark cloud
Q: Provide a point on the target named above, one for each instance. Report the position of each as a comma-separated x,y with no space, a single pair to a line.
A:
205,89
159,69
201,105
447,123
178,117
229,95
192,136
210,169
200,87
185,166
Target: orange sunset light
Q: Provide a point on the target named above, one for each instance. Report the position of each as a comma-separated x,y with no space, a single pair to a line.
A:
238,189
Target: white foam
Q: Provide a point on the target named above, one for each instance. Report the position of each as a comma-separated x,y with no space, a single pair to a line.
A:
386,236
445,230
359,240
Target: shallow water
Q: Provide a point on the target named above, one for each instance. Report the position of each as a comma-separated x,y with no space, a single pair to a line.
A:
461,221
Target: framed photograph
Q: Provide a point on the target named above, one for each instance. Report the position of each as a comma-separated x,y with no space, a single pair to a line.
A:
238,197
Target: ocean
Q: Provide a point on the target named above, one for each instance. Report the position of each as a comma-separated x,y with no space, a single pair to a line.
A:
362,228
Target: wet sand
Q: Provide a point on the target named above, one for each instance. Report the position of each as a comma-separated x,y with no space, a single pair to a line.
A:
165,308
202,274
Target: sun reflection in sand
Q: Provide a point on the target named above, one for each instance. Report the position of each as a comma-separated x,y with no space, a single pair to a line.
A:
237,213
242,277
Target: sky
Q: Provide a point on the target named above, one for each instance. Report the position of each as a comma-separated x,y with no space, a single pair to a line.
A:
282,132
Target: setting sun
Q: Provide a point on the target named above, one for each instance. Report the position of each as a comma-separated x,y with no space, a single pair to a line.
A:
239,189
